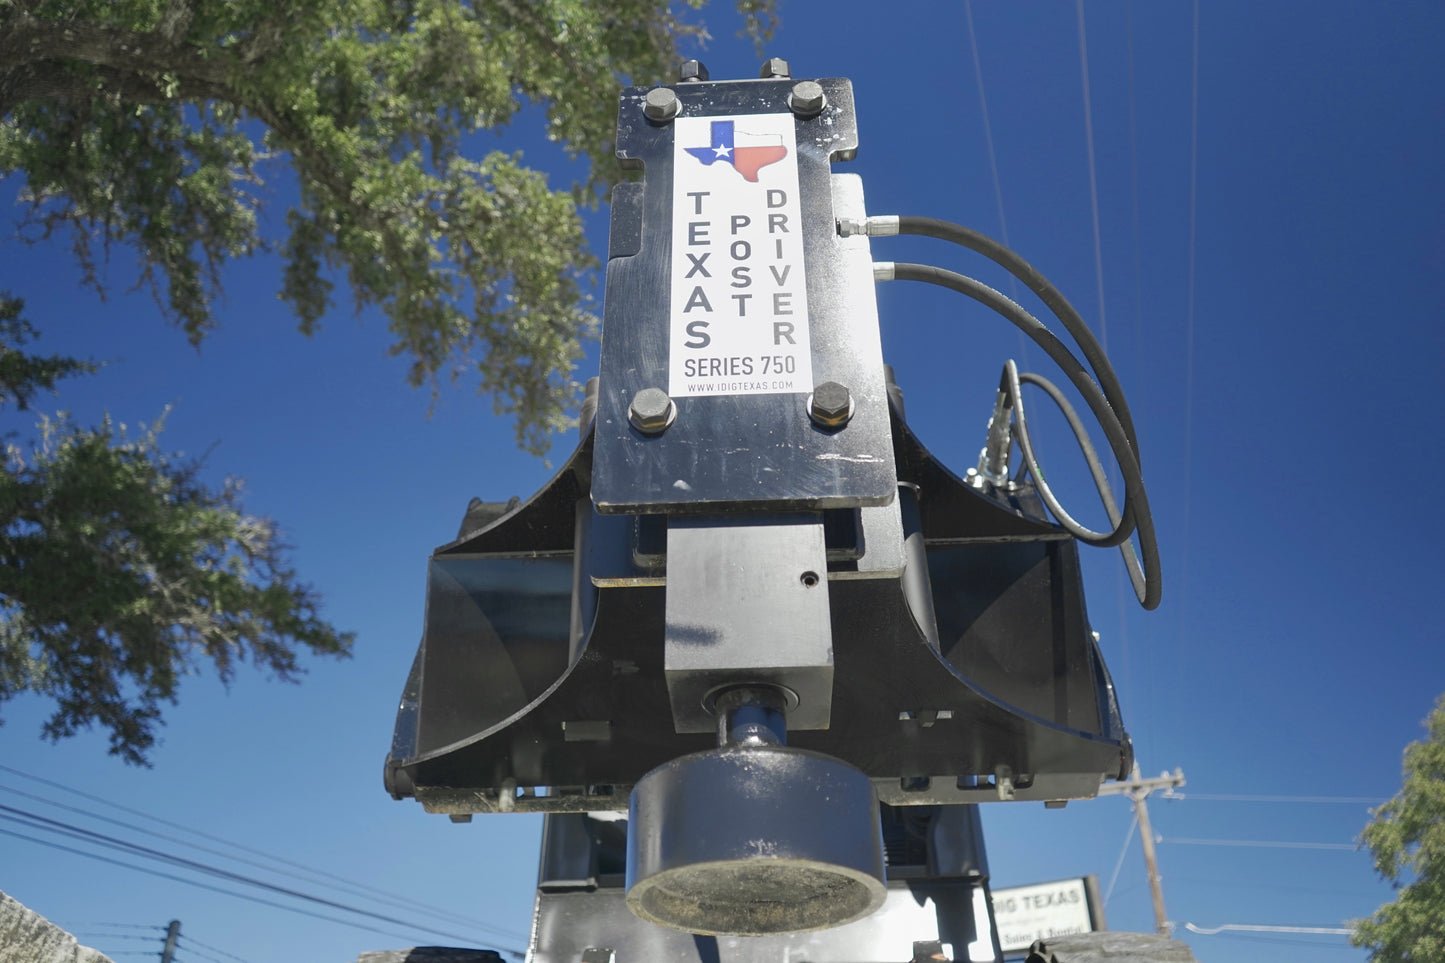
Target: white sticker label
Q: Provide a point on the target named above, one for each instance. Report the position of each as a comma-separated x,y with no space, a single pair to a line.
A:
739,311
1028,913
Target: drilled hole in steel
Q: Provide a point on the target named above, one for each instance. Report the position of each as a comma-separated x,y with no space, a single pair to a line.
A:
809,579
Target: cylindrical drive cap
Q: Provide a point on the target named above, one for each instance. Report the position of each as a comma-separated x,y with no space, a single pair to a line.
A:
754,841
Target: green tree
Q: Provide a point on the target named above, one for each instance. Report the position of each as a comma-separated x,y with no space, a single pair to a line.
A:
157,125
1407,838
153,123
120,570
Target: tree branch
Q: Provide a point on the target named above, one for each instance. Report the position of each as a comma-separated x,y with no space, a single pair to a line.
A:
53,80
29,44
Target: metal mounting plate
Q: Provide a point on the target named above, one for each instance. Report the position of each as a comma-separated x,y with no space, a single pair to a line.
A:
739,449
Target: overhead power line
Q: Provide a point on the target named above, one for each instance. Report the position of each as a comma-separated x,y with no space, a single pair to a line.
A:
1188,466
1231,797
225,892
84,835
351,889
189,946
190,951
1257,928
1260,843
44,823
1093,178
213,949
992,159
1362,884
1119,864
345,885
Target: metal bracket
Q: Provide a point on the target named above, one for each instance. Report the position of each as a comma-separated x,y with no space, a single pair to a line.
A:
743,438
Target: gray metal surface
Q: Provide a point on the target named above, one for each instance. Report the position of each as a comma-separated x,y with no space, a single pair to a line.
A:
747,602
754,841
747,449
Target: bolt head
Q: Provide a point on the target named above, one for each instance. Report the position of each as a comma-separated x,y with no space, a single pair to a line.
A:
775,67
652,411
691,70
831,405
807,98
661,104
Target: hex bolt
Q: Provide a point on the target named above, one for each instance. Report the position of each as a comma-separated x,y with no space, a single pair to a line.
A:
661,105
690,71
775,68
830,405
652,411
807,99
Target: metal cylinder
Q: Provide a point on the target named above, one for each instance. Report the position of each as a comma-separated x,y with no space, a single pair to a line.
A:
751,716
751,841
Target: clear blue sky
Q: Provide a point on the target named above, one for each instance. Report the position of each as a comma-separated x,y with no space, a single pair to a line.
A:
1290,445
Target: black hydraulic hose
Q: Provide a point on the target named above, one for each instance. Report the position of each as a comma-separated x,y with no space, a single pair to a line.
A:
1012,380
1064,358
1050,295
1136,501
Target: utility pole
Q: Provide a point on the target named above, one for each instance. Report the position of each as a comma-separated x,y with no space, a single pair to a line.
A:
173,933
1138,790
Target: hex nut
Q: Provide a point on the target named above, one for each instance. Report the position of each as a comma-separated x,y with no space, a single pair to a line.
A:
807,99
652,411
690,71
661,105
830,405
775,68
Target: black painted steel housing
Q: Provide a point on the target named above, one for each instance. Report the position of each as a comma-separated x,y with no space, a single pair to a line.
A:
537,689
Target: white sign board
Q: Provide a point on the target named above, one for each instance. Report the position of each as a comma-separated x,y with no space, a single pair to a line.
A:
739,306
1024,914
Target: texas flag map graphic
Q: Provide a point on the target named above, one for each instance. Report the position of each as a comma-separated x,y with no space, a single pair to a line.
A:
747,153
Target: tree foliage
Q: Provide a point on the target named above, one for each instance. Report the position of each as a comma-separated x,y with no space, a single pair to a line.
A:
165,127
22,374
1407,840
152,122
120,570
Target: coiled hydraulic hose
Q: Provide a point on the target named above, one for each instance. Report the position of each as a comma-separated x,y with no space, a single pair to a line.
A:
1014,395
1104,398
